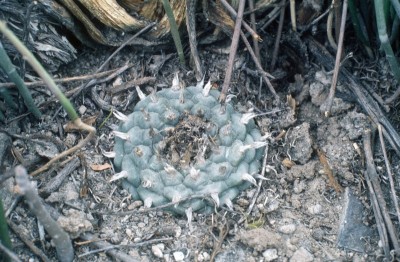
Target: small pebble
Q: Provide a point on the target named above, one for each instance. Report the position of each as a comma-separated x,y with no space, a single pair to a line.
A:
315,209
141,225
206,256
302,255
270,254
157,251
167,258
318,234
82,109
115,239
274,205
178,256
287,229
135,204
129,232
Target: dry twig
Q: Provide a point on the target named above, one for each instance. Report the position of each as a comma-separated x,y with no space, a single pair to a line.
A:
328,171
389,171
80,126
232,54
104,246
329,100
385,226
23,235
278,36
65,251
63,80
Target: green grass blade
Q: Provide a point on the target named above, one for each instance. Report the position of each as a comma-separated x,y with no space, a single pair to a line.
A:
384,38
40,71
174,30
11,71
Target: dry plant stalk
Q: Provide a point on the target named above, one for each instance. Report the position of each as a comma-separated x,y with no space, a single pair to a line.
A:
65,251
328,171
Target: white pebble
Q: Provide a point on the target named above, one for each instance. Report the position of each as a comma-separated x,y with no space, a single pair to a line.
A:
206,256
302,255
82,109
315,209
167,258
157,251
287,229
270,254
129,232
178,256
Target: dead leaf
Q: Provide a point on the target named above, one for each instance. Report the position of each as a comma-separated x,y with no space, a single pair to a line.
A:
90,120
287,163
102,167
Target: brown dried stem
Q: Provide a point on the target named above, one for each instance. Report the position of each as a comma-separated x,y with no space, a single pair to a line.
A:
80,126
254,27
389,172
278,36
63,80
232,54
384,223
245,25
23,235
62,242
259,67
191,28
329,100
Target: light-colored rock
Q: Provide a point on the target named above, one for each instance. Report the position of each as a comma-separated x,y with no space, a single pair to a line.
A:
75,222
270,254
261,239
156,250
178,256
302,255
314,209
287,229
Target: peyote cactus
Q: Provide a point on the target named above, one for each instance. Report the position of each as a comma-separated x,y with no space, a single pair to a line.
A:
179,143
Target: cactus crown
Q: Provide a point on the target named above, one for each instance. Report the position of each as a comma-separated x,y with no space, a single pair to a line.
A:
178,143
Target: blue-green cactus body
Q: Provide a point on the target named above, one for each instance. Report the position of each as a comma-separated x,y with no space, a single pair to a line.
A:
161,168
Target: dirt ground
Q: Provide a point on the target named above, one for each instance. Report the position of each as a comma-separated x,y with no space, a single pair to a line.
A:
298,213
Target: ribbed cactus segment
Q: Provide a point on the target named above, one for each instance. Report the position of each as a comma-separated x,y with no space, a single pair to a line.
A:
175,145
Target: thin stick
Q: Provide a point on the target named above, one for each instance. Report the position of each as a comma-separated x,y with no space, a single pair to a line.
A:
293,15
259,67
63,244
389,171
245,25
370,175
259,185
232,54
81,126
110,246
23,236
8,253
278,36
254,27
77,92
62,80
191,28
118,255
328,172
329,28
374,180
329,100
